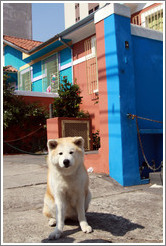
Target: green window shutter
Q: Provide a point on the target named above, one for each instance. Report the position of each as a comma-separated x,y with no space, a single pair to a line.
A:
19,81
155,21
50,73
24,80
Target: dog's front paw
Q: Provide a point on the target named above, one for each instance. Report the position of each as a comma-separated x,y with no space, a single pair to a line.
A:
86,228
55,234
52,222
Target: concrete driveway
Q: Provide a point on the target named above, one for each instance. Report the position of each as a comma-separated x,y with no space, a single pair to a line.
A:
117,214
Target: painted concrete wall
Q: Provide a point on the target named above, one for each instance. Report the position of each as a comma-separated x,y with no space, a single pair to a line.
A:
66,72
120,83
80,75
88,104
37,71
123,154
13,57
90,160
65,56
148,67
42,101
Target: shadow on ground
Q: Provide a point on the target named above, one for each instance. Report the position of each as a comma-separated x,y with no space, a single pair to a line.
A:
116,225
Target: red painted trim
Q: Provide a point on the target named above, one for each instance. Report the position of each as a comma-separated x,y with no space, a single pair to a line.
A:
103,164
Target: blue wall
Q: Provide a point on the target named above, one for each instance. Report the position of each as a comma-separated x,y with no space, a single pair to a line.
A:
65,56
37,70
134,85
37,85
123,153
148,67
13,57
66,72
113,91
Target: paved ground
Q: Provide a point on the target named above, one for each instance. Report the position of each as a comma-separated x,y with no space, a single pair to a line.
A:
117,214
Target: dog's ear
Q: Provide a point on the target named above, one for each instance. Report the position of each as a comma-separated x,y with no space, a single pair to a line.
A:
79,141
52,144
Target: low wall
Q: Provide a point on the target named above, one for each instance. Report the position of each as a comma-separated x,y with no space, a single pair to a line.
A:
42,98
93,159
29,138
133,79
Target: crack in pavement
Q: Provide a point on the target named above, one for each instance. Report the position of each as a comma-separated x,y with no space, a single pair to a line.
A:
23,186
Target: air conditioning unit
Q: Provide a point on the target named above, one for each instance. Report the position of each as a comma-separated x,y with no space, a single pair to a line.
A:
71,127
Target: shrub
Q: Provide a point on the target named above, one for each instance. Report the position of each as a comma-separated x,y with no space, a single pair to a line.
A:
16,111
96,140
69,100
20,119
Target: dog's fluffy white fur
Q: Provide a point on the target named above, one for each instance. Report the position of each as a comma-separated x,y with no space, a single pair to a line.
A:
67,194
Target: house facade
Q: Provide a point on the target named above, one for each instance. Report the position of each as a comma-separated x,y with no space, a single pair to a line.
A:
119,68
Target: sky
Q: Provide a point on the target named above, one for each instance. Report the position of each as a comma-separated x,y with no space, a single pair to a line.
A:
47,20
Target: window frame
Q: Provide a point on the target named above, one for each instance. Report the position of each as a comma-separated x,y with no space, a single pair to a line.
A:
45,72
153,11
20,75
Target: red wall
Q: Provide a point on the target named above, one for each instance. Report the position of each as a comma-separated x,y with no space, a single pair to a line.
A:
79,73
98,112
91,160
43,101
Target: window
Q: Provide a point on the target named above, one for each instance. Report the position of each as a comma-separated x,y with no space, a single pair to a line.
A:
155,21
96,8
91,65
92,7
77,12
50,72
90,11
153,18
136,20
24,80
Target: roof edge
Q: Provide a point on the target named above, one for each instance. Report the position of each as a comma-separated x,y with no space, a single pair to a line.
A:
15,46
70,29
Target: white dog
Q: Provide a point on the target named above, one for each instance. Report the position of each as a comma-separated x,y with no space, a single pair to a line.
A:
67,194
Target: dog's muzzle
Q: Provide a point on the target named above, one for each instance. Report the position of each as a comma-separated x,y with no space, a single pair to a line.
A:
66,163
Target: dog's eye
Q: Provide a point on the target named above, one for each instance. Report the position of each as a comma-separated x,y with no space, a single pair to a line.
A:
60,153
71,152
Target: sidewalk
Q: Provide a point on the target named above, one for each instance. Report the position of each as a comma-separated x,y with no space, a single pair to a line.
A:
117,214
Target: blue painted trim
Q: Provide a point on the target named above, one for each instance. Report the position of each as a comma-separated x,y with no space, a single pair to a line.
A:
113,92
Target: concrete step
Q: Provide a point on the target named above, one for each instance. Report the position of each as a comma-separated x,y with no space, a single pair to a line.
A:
156,178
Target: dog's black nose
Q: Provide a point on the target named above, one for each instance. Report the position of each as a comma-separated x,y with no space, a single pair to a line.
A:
66,162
